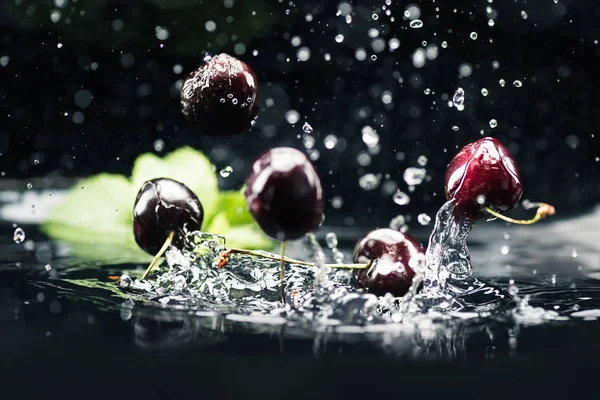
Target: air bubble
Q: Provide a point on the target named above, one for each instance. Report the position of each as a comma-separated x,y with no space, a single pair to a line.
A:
397,222
473,35
517,83
493,123
422,161
504,250
484,92
502,82
369,136
29,186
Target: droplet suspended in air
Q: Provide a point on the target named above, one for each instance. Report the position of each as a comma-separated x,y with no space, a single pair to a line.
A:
225,172
19,235
458,100
414,176
424,219
307,128
416,23
401,198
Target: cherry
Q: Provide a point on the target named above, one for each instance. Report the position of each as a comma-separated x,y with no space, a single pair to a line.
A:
483,174
164,211
284,194
397,254
221,95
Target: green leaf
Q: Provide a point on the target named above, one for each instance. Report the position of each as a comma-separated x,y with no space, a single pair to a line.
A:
97,209
184,165
247,236
100,214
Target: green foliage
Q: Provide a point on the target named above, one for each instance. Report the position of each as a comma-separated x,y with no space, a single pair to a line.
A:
98,210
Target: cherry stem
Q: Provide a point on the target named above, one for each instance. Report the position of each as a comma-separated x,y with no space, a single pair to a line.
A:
272,256
281,272
158,255
544,210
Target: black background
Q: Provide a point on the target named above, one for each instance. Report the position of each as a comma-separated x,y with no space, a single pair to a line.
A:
548,123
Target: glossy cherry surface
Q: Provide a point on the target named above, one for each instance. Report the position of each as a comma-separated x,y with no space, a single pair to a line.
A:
163,205
483,173
221,95
398,254
284,194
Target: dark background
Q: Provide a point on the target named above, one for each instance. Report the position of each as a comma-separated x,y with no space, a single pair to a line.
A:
110,50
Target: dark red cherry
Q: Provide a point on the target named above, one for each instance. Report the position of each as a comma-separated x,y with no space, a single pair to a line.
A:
483,173
164,205
397,254
221,95
284,194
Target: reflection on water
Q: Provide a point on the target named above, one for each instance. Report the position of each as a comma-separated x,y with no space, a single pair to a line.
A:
548,270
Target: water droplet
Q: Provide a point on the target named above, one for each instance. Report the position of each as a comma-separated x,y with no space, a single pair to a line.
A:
473,35
416,23
397,222
517,83
424,219
330,141
125,281
504,249
159,145
337,202
307,128
331,240
524,14
414,176
29,186
480,199
308,141
369,136
493,123
401,198
339,38
225,172
574,253
368,182
180,282
19,235
459,99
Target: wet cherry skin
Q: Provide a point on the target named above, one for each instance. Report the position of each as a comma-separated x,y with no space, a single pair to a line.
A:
163,205
395,274
221,95
284,194
483,173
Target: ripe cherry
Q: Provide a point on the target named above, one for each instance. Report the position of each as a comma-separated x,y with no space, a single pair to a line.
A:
398,255
483,174
284,195
221,95
164,211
